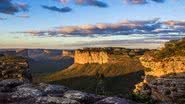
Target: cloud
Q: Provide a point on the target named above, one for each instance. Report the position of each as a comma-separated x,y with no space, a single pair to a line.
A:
7,7
125,27
23,16
135,1
1,18
54,8
159,1
142,1
103,29
62,1
96,3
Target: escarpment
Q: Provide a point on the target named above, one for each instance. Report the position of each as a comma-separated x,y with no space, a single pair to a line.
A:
164,74
90,57
104,55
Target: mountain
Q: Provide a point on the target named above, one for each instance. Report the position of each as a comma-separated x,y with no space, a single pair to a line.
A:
43,61
118,66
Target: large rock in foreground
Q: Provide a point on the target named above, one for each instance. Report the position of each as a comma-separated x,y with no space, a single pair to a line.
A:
18,92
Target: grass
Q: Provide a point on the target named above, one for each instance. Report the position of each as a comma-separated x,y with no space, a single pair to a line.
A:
120,77
117,85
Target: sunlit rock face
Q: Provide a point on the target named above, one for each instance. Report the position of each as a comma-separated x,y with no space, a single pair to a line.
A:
164,79
105,55
69,53
14,67
172,65
90,57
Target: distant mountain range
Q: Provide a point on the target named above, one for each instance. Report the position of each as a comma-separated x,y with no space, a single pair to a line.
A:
43,60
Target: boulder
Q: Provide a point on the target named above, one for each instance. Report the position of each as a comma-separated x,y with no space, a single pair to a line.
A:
8,85
114,100
26,91
82,97
53,90
55,100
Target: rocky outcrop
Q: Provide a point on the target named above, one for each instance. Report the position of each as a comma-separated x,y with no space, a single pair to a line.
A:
14,67
69,53
158,68
19,92
164,79
90,57
105,55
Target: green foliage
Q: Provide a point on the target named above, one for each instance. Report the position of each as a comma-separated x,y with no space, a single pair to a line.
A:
172,48
12,58
140,99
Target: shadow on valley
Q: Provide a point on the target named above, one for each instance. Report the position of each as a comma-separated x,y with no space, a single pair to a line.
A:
50,66
98,84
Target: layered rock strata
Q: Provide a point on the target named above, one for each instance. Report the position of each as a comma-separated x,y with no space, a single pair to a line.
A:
164,79
105,55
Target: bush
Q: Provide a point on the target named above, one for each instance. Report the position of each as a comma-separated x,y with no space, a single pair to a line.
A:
172,48
140,99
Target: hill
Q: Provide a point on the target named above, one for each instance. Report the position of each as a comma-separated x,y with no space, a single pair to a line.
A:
118,66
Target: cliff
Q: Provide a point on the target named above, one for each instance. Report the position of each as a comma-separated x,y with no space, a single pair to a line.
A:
90,57
164,75
69,53
107,61
14,67
105,55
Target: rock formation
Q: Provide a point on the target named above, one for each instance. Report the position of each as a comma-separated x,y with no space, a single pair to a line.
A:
14,67
18,92
164,77
69,53
22,53
90,57
8,52
104,55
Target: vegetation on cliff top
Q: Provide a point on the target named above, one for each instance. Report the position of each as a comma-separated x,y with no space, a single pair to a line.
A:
12,58
172,48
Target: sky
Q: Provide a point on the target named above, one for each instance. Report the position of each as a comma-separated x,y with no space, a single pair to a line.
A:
69,24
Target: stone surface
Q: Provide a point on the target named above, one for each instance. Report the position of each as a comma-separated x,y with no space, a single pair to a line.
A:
53,90
164,79
55,100
114,100
28,93
90,57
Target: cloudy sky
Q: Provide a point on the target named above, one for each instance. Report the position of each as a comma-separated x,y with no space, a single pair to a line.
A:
90,23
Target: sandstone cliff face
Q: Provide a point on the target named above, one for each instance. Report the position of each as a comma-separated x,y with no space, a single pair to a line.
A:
106,55
164,79
172,65
88,57
68,53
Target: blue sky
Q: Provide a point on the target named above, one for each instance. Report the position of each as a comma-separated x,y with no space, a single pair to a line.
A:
15,26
